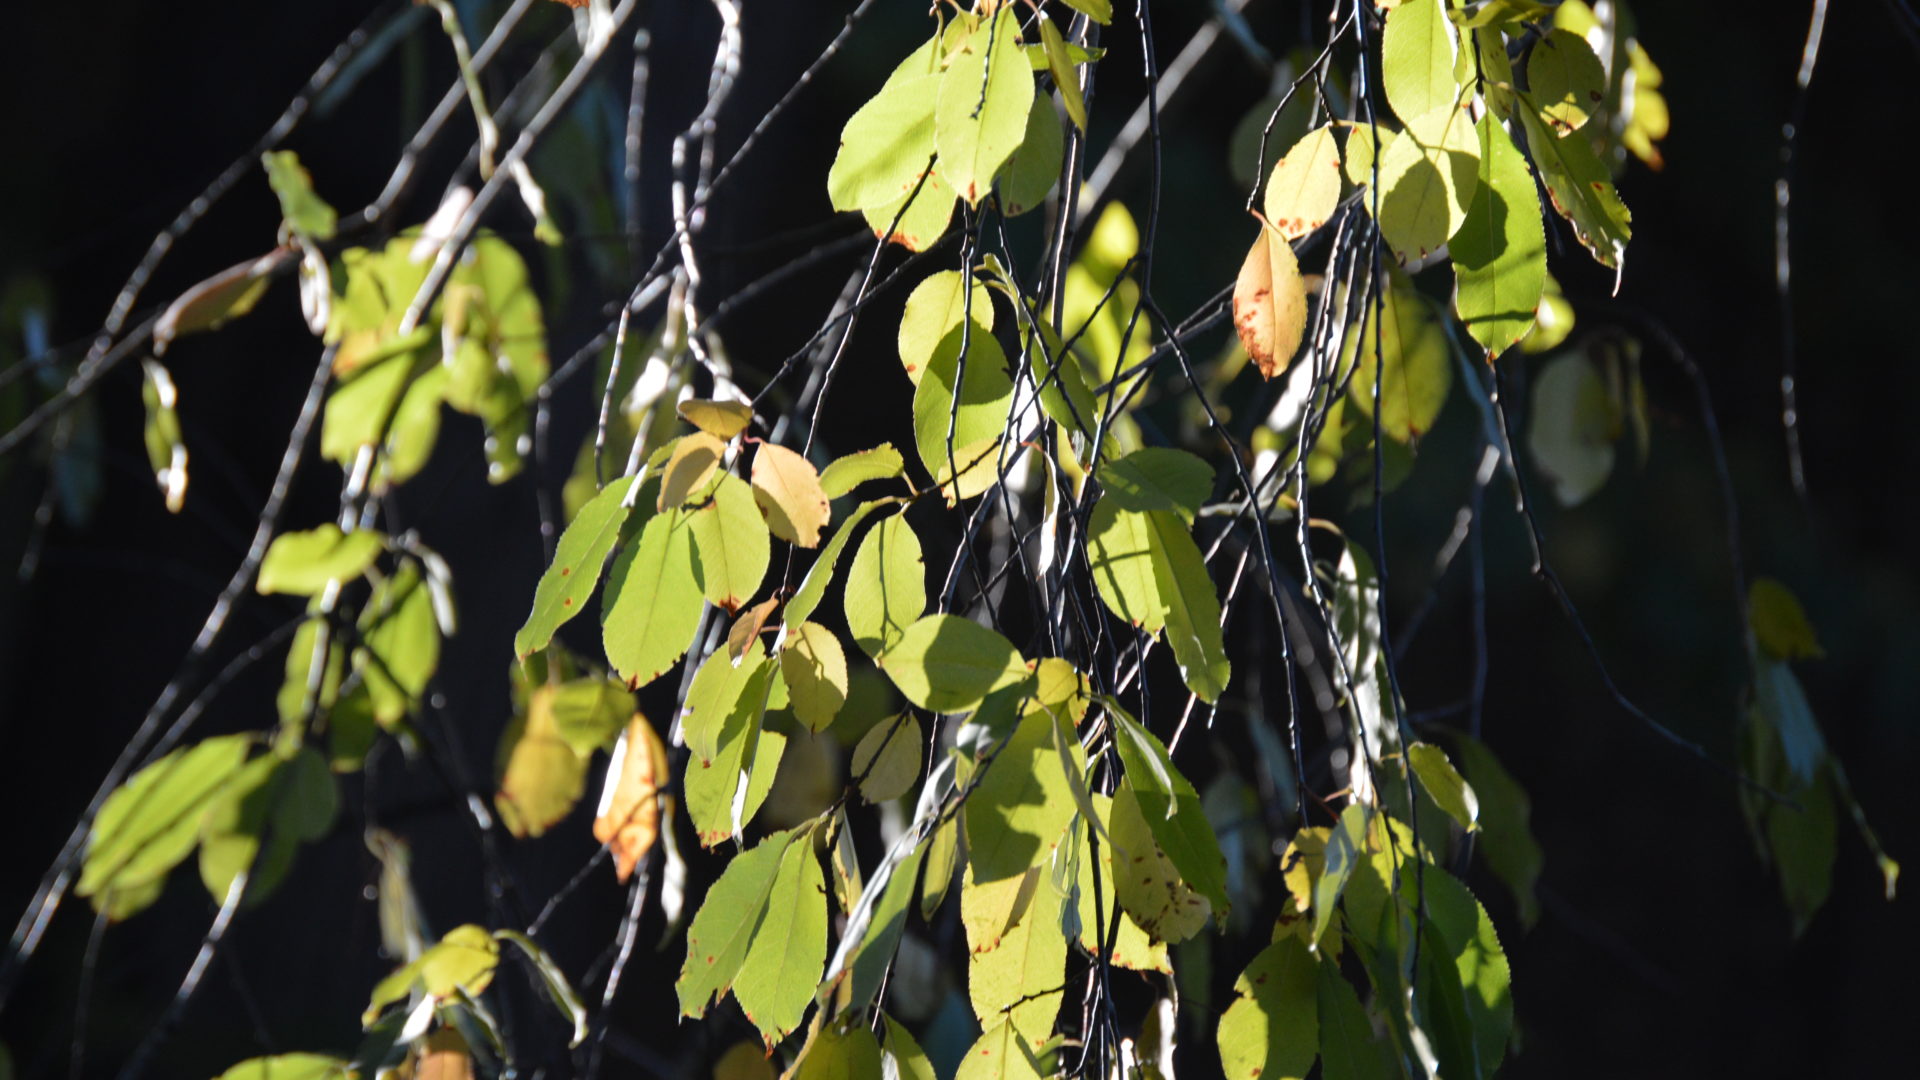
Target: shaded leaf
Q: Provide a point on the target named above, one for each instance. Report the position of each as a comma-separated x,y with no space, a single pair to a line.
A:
1172,811
1022,804
886,588
1147,886
1500,254
1581,189
887,758
540,776
554,981
1272,1029
1444,785
815,668
1428,176
948,664
1158,478
1780,624
1566,80
688,469
1034,168
787,488
1506,838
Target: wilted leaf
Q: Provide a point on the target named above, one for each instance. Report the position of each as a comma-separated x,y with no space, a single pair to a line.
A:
1270,303
629,818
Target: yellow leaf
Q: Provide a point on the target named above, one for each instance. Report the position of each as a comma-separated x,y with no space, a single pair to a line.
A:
1270,303
541,777
629,818
1780,623
688,469
720,419
1305,185
787,487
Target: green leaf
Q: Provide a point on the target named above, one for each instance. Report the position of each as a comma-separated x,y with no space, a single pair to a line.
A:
1193,608
1496,12
589,713
1304,187
909,1062
984,394
1022,803
723,929
275,802
917,219
1346,849
844,474
1418,369
947,664
306,213
400,645
726,791
291,702
1020,981
1002,1052
943,854
1120,552
815,668
289,1067
1780,625
844,1049
1132,947
887,758
1506,836
731,547
1428,176
1581,189
1100,11
1158,478
1566,80
1060,65
813,587
1348,1048
166,452
886,145
1272,1029
787,487
789,949
1471,953
653,601
1416,59
886,586
983,102
1500,253
460,964
577,560
1444,785
882,937
1173,812
217,300
151,822
553,981
303,563
718,688
1034,168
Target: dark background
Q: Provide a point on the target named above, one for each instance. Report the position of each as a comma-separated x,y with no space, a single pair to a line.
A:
1665,949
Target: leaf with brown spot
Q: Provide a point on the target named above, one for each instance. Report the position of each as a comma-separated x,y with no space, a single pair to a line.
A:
1270,303
629,818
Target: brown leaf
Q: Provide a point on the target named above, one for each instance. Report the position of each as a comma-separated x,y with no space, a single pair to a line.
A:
629,820
1270,303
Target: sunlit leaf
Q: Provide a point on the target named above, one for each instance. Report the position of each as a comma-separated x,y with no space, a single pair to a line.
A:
271,804
918,219
1021,979
540,775
886,589
1147,886
958,415
1345,851
289,1067
1100,11
813,588
984,99
787,488
844,1049
843,474
399,644
688,469
152,822
1416,59
1272,1029
462,962
815,668
214,302
724,927
577,559
1034,168
1172,811
554,981
303,563
305,212
948,664
1270,303
730,545
1060,65
1500,254
653,600
1304,187
1444,784
1566,80
1581,189
725,790
904,1055
720,419
1003,1052
885,146
1428,176
1193,607
789,949
1022,804
1359,163
1158,478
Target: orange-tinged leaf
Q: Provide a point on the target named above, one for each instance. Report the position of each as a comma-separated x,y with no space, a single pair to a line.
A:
629,818
1270,303
748,626
787,487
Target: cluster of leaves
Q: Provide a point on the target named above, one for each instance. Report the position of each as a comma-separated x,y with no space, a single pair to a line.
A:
1078,843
